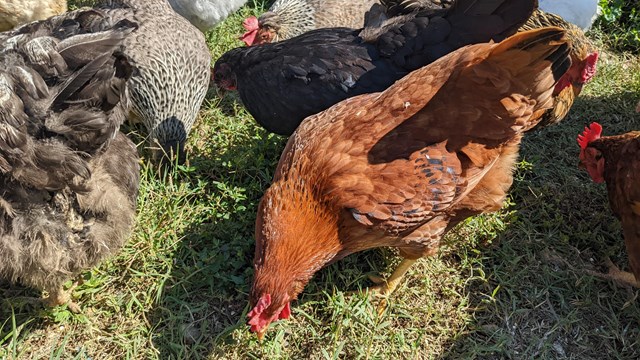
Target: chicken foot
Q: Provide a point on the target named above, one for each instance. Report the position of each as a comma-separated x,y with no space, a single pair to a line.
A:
59,297
386,287
615,274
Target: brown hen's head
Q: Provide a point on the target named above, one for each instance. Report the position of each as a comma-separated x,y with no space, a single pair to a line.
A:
260,31
591,158
295,237
580,72
264,314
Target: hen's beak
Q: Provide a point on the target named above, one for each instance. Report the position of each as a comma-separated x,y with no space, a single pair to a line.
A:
261,333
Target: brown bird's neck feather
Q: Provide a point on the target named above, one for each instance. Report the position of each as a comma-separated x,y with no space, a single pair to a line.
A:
296,235
612,147
616,150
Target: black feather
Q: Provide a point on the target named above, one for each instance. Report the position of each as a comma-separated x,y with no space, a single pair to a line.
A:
282,83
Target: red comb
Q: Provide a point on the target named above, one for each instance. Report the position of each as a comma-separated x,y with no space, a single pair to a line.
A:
252,26
262,304
591,132
256,319
250,23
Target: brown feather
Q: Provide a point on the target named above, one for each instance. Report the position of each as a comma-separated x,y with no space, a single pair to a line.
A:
401,167
621,155
580,47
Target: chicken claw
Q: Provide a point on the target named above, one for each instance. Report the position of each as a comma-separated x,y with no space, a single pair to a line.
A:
60,297
385,287
614,273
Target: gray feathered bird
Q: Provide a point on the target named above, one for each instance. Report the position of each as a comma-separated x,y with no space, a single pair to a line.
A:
173,63
69,178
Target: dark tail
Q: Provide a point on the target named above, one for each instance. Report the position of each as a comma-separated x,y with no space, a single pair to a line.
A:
423,37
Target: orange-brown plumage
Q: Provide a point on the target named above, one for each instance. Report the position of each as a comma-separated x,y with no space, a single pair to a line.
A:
584,56
616,161
401,167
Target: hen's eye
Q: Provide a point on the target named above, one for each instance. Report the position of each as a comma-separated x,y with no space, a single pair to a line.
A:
598,156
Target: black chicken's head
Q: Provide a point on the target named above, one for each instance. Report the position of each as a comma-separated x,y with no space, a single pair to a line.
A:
223,75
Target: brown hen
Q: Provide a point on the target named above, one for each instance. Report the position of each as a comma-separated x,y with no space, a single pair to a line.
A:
616,161
584,55
401,167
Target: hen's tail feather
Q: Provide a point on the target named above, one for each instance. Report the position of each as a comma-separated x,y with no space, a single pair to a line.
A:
91,52
82,49
420,38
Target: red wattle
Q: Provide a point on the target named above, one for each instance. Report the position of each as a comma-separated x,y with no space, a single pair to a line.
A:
285,313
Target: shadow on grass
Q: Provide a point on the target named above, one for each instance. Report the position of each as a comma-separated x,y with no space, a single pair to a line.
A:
538,301
206,291
205,296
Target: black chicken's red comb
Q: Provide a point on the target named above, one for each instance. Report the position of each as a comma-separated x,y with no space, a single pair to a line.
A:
591,132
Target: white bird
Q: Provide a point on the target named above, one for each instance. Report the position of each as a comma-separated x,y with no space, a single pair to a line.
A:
579,12
205,14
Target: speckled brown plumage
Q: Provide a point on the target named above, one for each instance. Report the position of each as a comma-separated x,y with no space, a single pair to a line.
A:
68,177
621,172
289,18
401,167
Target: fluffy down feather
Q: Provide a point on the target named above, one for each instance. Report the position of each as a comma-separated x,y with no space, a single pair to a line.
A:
69,178
173,63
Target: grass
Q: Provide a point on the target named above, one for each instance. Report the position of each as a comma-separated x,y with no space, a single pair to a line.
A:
511,285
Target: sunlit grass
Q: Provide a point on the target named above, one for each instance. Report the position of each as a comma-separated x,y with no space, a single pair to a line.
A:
507,285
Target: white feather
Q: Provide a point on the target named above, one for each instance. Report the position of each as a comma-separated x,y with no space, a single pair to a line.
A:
205,14
579,12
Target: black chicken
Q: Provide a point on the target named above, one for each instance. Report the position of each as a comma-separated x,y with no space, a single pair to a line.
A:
69,178
282,83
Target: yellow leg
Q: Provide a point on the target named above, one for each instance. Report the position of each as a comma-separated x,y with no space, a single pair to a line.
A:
615,274
60,297
388,286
